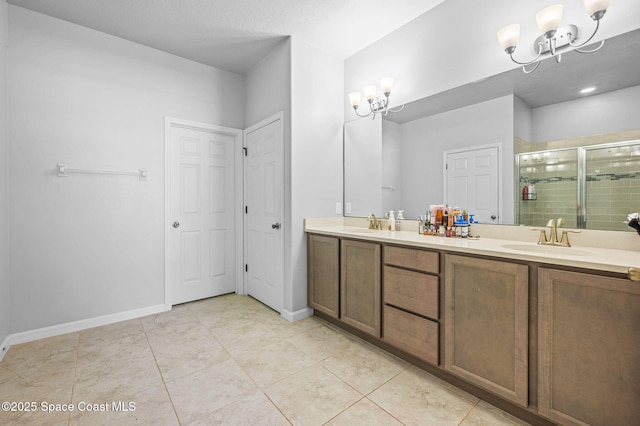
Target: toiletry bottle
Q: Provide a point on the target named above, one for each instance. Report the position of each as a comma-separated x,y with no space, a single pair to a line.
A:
439,215
392,221
445,217
420,226
525,192
399,218
533,195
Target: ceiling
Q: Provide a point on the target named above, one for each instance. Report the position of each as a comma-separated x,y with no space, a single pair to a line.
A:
234,35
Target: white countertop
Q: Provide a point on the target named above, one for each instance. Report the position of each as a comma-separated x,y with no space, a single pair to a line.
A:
603,259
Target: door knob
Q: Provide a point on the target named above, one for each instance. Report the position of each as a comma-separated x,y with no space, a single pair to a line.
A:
176,224
493,217
275,226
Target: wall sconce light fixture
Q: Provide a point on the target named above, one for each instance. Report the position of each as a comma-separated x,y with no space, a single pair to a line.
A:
377,104
553,36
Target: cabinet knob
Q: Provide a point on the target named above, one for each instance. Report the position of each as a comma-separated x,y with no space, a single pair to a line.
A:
634,274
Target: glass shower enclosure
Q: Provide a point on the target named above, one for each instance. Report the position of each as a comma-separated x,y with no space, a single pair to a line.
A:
590,187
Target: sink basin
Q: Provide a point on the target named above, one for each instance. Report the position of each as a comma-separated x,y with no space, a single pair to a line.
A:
548,250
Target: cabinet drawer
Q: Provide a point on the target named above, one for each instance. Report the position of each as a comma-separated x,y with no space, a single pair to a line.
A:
411,333
413,291
420,260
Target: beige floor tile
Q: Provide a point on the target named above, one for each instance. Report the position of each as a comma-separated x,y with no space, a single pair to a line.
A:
234,318
274,362
364,413
151,407
321,342
418,398
244,339
179,355
116,375
485,414
178,320
201,393
125,348
312,396
111,332
40,358
250,411
52,389
364,367
285,329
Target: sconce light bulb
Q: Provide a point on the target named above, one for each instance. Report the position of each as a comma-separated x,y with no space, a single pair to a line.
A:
548,19
508,37
354,98
596,8
386,84
370,92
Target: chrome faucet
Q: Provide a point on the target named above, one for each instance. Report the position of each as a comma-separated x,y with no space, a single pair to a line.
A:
374,222
553,234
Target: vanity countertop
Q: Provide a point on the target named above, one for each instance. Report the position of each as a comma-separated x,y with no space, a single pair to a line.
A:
603,259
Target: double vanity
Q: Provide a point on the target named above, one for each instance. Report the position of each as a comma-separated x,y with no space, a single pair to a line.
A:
550,334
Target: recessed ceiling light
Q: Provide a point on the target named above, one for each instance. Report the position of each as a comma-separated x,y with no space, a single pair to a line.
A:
587,90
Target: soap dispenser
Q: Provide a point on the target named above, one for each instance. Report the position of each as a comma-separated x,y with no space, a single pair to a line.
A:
399,218
392,221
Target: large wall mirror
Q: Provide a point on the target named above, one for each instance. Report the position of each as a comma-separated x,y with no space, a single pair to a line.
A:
398,163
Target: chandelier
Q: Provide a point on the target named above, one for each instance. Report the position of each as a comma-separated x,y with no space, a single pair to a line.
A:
553,36
377,103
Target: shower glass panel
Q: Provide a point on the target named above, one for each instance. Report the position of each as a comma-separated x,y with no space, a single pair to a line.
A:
612,185
592,187
554,177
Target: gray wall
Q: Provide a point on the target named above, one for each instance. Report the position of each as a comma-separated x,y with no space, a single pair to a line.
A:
615,111
86,246
425,140
446,47
4,185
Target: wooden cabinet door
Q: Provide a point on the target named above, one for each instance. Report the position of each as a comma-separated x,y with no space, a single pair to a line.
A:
360,292
486,324
589,349
323,274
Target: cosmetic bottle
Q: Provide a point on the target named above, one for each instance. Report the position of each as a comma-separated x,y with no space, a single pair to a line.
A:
392,221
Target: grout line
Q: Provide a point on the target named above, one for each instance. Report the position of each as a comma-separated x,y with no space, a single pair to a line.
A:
467,415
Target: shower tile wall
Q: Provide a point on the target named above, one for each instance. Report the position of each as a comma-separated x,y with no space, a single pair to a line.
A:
554,175
613,187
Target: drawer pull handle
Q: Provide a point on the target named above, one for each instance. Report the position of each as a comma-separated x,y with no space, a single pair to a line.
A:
634,274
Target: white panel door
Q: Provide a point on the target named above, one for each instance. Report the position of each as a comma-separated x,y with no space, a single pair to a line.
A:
264,202
472,182
201,241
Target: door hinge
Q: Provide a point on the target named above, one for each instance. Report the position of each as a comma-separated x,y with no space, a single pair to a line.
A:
246,209
245,150
246,267
446,166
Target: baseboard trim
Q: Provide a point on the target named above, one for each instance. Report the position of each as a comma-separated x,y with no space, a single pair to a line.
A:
4,347
296,315
70,327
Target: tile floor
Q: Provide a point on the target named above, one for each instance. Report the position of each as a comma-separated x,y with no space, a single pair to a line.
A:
227,360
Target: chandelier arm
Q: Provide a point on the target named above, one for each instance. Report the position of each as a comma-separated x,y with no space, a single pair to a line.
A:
589,39
400,108
524,68
531,61
591,50
359,115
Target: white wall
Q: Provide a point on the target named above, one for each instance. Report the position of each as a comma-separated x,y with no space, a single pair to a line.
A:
425,140
4,178
455,43
316,153
615,111
522,120
86,246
